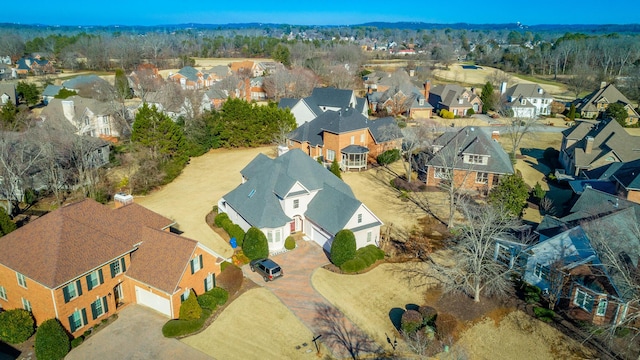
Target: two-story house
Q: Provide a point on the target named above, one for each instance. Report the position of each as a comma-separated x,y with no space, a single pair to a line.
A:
346,136
321,100
453,98
405,99
591,144
595,104
191,78
293,193
470,157
85,261
33,65
88,116
526,100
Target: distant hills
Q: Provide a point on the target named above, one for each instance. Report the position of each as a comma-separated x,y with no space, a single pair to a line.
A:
561,28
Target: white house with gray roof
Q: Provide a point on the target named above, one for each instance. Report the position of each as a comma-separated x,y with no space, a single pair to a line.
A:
294,193
322,100
527,100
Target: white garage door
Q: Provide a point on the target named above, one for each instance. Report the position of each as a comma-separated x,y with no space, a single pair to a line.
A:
153,301
322,240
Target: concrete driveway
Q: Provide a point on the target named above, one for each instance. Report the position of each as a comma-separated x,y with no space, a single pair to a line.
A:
136,334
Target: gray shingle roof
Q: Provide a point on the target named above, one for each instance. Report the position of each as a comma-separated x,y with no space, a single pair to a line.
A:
287,103
189,72
82,81
608,136
609,94
51,90
470,140
332,97
527,91
269,180
339,122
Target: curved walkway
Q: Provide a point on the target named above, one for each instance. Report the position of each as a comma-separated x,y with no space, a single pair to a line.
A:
296,291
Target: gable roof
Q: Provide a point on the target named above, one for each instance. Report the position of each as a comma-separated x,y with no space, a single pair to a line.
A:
449,95
83,80
289,103
268,181
161,259
10,90
608,136
190,73
344,121
528,91
75,239
470,140
608,94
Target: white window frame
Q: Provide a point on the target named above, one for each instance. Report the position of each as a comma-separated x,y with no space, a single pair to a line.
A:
331,155
601,310
197,265
362,138
270,236
369,236
185,295
586,298
296,203
501,251
26,304
353,139
79,319
359,218
117,269
475,159
22,280
208,285
101,307
482,177
95,282
72,294
441,173
3,293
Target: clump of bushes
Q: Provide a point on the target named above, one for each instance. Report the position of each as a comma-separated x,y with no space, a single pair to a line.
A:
213,298
364,257
411,321
234,230
52,342
531,294
76,342
190,309
16,326
446,114
429,315
179,327
289,243
220,219
388,157
543,314
343,247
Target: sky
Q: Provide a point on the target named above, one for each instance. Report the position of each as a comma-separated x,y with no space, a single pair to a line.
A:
326,12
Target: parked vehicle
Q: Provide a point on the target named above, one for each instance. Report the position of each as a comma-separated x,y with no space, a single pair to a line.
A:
267,268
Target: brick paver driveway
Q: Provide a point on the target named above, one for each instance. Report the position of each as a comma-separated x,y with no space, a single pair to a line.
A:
296,291
136,334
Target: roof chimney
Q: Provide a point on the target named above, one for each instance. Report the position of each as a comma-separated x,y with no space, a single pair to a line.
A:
427,89
588,147
503,87
282,149
603,84
495,135
122,199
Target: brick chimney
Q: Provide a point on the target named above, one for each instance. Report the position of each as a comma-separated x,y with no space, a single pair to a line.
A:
122,199
427,89
588,146
495,135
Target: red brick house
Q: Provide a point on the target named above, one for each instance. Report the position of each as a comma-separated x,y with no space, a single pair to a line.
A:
85,261
347,136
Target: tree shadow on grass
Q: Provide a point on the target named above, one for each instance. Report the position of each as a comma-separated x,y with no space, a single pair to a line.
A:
340,335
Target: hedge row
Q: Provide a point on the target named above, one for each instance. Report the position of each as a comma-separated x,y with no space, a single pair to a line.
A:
175,328
364,258
388,157
213,298
235,231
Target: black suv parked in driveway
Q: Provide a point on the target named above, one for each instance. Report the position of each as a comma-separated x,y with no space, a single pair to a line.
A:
267,268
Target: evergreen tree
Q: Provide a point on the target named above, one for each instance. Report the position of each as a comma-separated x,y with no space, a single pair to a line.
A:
6,225
255,245
335,169
617,112
157,132
282,54
8,115
511,194
343,247
122,85
488,97
29,92
572,112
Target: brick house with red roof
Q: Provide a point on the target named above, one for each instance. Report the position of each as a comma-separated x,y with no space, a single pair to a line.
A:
85,261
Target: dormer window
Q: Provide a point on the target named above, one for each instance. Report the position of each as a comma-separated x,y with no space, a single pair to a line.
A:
475,159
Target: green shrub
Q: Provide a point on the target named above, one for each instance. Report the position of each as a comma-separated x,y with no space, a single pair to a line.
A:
543,314
402,124
174,328
531,294
221,295
388,157
207,302
255,245
410,321
215,209
538,192
374,250
225,224
621,331
235,231
429,315
470,112
16,326
76,342
354,265
289,243
343,247
52,342
367,257
335,169
190,309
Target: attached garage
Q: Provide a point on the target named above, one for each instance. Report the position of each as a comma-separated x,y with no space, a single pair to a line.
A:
156,302
321,238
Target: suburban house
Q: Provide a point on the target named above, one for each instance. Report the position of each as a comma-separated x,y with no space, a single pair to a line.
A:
89,86
405,99
243,68
321,100
8,94
216,97
591,144
470,157
453,98
593,105
89,117
582,269
36,66
294,193
191,78
619,178
85,261
7,72
346,136
526,100
144,79
219,72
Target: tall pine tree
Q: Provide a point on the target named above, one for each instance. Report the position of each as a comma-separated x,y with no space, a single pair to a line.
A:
488,97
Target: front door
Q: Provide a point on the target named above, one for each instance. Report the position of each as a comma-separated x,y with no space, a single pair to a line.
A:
298,223
117,293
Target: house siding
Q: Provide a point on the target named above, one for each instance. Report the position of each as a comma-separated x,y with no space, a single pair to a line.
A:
463,178
38,295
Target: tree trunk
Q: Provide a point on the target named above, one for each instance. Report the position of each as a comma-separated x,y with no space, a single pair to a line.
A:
476,294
